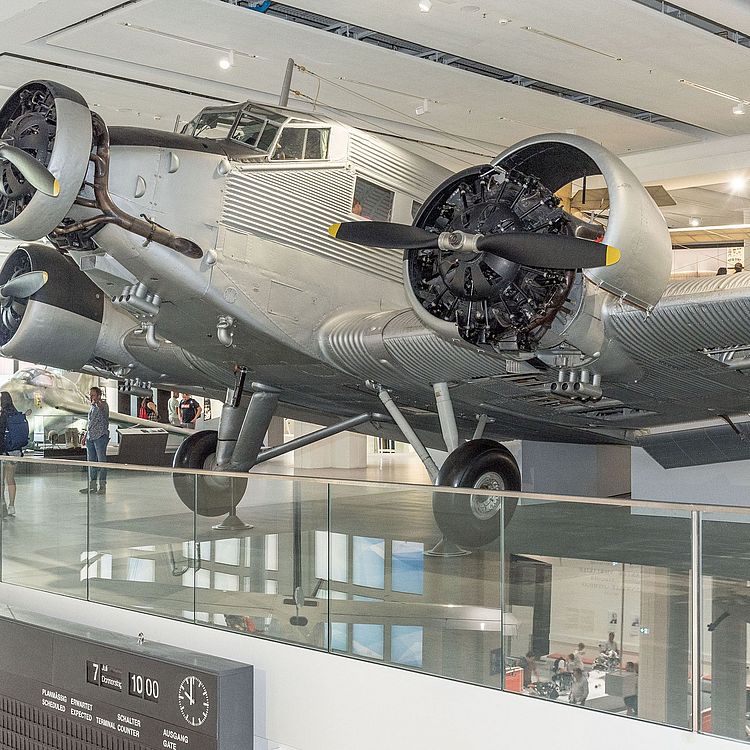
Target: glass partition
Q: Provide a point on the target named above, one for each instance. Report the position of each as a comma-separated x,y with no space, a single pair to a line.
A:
400,594
580,601
258,571
45,527
726,613
597,610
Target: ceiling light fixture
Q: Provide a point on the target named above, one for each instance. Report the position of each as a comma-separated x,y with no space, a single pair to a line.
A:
503,21
695,221
739,104
738,183
425,6
228,61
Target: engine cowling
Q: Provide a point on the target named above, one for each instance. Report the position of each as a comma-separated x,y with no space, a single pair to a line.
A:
491,301
53,124
59,324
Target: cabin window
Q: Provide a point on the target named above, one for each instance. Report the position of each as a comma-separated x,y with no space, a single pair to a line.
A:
372,201
303,143
415,206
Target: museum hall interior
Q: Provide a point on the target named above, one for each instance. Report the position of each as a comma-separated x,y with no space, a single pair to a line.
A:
374,374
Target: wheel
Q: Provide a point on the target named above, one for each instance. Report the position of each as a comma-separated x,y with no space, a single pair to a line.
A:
471,520
216,493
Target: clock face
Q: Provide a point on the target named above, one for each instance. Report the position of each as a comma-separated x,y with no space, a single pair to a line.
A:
192,698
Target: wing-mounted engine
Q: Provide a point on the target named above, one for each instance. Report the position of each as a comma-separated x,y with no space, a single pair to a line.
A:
635,225
45,144
530,302
494,258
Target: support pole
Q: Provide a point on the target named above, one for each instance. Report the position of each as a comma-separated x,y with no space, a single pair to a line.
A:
408,433
481,424
446,415
287,85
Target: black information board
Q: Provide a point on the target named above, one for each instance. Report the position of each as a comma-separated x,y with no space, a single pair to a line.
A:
67,687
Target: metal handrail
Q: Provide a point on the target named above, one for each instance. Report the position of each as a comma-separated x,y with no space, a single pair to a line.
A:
686,508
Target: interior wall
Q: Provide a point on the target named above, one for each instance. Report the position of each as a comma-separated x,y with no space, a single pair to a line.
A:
308,700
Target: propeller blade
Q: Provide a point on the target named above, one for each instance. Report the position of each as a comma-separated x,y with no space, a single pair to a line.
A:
23,286
33,171
383,234
549,250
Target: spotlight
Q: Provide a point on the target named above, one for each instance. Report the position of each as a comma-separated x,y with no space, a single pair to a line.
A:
738,108
695,221
425,5
227,62
738,183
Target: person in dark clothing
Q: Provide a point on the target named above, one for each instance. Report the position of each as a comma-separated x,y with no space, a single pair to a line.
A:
189,411
148,410
12,426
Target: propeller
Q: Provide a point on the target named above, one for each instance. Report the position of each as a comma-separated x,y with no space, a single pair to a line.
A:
555,251
23,285
33,171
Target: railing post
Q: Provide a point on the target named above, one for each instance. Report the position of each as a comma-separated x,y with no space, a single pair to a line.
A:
696,581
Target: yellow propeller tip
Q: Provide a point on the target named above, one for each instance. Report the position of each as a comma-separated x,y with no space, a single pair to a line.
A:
333,229
613,255
56,188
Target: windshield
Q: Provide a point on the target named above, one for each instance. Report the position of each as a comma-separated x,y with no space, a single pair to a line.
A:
256,127
212,124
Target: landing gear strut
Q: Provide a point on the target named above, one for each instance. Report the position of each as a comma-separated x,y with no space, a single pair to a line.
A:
466,521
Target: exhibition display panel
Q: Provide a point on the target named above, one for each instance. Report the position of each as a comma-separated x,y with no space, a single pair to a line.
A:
362,569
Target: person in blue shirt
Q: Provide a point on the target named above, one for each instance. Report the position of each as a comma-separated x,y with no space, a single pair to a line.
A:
9,413
97,437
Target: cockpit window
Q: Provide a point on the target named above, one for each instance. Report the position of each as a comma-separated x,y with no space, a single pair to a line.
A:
255,131
302,143
256,127
208,124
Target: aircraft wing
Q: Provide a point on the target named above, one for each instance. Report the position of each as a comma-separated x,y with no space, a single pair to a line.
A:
122,419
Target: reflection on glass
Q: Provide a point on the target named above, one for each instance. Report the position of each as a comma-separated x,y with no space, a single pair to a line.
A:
367,640
725,697
406,645
408,567
339,639
227,551
368,564
604,589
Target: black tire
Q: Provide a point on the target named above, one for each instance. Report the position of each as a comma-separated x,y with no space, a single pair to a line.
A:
467,520
215,494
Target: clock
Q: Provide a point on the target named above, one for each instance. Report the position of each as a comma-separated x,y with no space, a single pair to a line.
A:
192,697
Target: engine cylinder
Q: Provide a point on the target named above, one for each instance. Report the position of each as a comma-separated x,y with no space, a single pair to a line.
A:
488,299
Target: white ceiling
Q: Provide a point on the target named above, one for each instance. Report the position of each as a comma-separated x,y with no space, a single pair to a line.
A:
145,62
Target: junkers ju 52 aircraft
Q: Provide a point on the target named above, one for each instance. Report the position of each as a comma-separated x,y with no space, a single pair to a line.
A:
204,259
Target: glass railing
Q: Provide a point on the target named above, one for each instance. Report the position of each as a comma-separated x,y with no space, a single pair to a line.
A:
629,607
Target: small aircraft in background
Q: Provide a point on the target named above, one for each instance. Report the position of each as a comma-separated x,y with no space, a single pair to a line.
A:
57,406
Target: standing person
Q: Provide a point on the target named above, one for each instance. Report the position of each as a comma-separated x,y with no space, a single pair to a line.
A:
189,410
97,437
14,435
579,691
147,409
580,653
611,644
173,407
